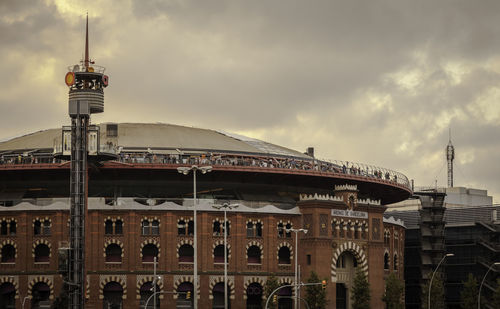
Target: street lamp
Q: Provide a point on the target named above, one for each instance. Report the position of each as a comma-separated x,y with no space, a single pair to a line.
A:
225,207
432,278
296,231
185,170
484,278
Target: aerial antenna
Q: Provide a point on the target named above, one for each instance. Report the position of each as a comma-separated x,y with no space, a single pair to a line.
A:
86,63
450,155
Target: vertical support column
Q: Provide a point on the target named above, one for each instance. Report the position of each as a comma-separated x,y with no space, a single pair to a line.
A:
78,209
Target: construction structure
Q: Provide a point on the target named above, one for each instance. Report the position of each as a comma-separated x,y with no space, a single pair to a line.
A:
86,96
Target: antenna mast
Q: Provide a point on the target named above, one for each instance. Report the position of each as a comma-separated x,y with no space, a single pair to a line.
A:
450,155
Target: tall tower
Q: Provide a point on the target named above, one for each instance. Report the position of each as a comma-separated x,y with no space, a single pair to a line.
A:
450,155
86,96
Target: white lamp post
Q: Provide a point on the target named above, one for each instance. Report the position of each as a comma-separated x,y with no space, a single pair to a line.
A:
432,278
185,171
225,207
296,231
481,286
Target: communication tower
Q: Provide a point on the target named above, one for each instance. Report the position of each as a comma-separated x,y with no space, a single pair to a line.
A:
450,155
86,82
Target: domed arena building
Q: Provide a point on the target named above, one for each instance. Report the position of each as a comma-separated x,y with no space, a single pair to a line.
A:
140,209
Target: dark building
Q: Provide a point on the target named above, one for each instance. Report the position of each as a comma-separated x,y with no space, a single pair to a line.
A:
471,233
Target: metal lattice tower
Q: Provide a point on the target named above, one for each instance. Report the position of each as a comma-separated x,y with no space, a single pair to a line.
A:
86,96
450,155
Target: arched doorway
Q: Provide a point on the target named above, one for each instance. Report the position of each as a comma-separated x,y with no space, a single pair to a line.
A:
346,270
218,296
145,292
254,296
40,293
285,300
113,294
185,296
7,296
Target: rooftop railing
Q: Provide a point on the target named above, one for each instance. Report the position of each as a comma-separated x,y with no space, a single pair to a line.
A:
356,170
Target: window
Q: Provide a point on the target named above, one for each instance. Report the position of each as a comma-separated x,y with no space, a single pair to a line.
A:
41,227
42,253
341,229
3,228
113,295
288,234
111,130
108,227
183,301
281,230
217,228
253,255
356,230
155,227
219,254
149,252
185,229
8,254
113,253
254,229
146,291
8,295
119,227
41,294
145,227
308,259
386,261
395,262
186,254
284,255
113,226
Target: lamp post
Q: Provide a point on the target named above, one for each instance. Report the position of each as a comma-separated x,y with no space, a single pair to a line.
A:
225,207
484,278
155,279
432,278
296,231
185,171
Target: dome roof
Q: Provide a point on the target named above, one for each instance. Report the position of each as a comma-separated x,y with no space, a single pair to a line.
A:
157,137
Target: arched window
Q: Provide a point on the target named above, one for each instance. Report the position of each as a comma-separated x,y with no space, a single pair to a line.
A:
113,294
218,296
281,230
181,227
217,228
113,253
8,254
145,292
40,295
228,228
37,227
119,227
219,254
386,261
155,227
3,228
253,255
185,295
284,255
186,254
349,230
341,229
254,296
287,230
149,252
334,230
250,232
191,227
395,262
46,227
258,229
356,230
145,227
7,295
108,227
42,253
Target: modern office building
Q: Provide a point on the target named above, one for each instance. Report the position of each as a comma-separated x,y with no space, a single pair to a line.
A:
455,220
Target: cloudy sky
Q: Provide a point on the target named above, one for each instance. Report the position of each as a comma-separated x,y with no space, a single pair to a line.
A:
378,82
